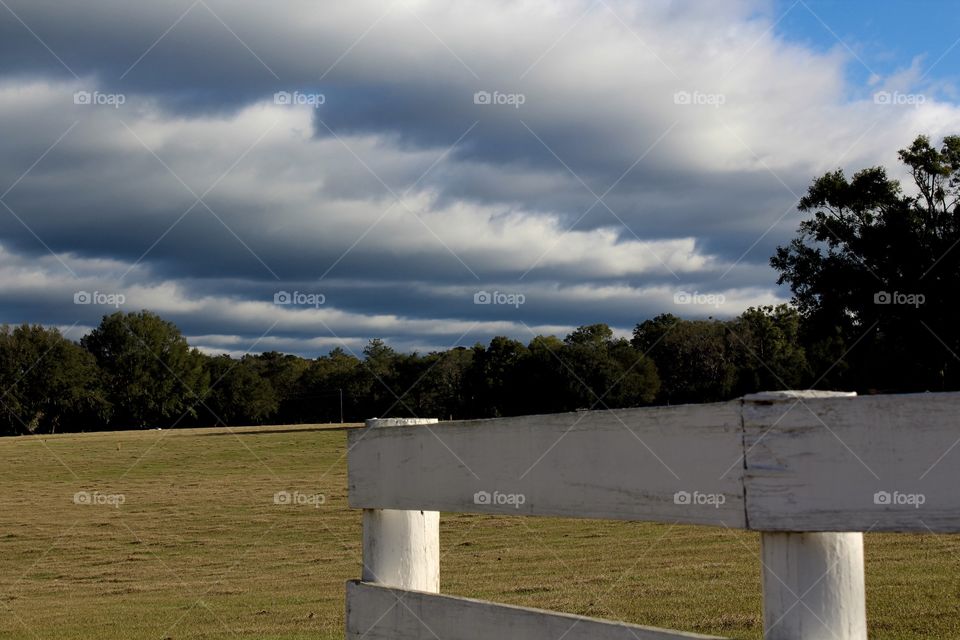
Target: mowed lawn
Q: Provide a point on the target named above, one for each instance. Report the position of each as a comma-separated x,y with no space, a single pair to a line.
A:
199,549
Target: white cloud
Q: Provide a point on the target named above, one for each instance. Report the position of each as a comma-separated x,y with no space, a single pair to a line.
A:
694,186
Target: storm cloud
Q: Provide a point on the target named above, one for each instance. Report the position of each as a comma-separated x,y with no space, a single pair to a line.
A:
588,161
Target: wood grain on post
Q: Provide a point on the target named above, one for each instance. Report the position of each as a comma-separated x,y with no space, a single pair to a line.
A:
813,583
813,586
402,548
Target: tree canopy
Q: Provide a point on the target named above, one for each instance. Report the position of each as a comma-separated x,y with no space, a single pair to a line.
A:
873,271
152,375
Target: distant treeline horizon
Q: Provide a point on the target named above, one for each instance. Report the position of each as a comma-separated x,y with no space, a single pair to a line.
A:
137,371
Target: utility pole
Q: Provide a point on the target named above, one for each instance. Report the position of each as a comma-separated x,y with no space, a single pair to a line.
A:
341,406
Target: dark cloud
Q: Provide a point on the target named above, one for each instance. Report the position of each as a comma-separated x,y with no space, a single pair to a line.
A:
399,197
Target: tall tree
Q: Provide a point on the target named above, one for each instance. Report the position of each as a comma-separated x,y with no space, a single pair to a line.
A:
765,348
152,375
445,383
282,371
330,378
381,387
692,358
542,374
495,379
873,270
239,393
48,383
602,371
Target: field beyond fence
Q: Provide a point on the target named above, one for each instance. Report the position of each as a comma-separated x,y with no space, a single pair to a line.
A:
210,534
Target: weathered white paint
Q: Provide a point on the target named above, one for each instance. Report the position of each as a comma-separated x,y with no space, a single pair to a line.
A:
810,461
813,586
813,583
805,468
624,464
881,463
402,548
375,612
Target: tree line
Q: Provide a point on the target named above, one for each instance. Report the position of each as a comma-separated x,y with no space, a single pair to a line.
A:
873,272
136,370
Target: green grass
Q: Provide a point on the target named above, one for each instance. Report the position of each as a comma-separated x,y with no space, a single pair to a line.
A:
200,550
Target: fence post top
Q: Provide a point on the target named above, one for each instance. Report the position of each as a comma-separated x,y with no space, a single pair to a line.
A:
796,394
399,422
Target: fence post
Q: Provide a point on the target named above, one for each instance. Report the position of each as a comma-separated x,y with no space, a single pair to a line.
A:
813,583
813,586
402,548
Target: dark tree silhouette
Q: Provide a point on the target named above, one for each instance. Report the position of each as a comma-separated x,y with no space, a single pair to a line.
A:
873,271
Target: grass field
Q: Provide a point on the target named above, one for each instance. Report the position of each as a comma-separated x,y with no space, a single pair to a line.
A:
199,549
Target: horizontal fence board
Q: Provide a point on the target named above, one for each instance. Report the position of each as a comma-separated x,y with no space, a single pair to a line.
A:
668,464
805,463
870,463
377,612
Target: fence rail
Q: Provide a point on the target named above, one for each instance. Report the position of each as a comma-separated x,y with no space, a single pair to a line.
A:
598,464
378,612
794,465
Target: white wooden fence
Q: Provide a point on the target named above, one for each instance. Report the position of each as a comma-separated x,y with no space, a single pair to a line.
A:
810,470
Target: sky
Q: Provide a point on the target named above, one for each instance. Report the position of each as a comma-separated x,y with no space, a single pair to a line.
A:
302,176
